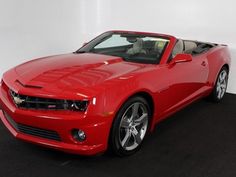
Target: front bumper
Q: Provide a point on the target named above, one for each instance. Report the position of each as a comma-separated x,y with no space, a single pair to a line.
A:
66,147
96,127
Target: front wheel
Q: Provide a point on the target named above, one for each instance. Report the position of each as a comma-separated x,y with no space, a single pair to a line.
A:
220,85
130,126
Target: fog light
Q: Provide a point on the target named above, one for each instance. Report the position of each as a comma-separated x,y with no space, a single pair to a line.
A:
78,135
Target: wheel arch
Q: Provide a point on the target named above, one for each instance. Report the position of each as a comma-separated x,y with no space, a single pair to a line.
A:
144,94
147,96
224,65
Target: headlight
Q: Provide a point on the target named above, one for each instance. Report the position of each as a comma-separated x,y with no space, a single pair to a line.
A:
77,105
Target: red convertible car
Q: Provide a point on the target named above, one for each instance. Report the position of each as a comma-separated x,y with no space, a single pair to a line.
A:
111,92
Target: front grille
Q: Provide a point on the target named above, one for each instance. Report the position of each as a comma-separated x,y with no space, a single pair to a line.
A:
29,102
29,130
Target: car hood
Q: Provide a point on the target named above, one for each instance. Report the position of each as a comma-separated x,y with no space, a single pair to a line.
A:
73,71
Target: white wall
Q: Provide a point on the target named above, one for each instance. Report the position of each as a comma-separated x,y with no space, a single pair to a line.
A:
37,28
31,28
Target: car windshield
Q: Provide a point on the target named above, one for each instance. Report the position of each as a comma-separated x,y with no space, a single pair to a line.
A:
131,47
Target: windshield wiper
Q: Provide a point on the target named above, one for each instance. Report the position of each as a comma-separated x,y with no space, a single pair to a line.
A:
80,51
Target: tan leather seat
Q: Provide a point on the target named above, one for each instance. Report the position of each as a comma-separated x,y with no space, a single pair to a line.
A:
189,46
137,48
179,48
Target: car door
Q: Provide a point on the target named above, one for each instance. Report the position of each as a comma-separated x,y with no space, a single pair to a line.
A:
186,79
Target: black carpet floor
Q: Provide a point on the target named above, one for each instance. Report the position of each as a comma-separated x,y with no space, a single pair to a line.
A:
199,141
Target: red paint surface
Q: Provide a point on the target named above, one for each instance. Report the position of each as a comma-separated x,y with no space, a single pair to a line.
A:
111,81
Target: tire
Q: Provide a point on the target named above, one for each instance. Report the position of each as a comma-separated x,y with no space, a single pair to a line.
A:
220,85
130,126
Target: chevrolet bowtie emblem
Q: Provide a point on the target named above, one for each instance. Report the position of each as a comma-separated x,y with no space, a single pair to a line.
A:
18,100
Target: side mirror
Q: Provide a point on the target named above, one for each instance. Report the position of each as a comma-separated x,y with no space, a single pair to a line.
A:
182,57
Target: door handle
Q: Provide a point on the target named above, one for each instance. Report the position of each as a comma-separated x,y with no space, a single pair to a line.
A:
203,63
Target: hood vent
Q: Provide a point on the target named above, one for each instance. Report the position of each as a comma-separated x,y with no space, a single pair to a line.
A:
28,86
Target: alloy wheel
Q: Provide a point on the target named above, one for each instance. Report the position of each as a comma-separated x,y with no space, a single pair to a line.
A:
221,84
133,126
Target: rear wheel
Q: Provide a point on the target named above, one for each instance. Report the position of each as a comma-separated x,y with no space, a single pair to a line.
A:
220,85
130,126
